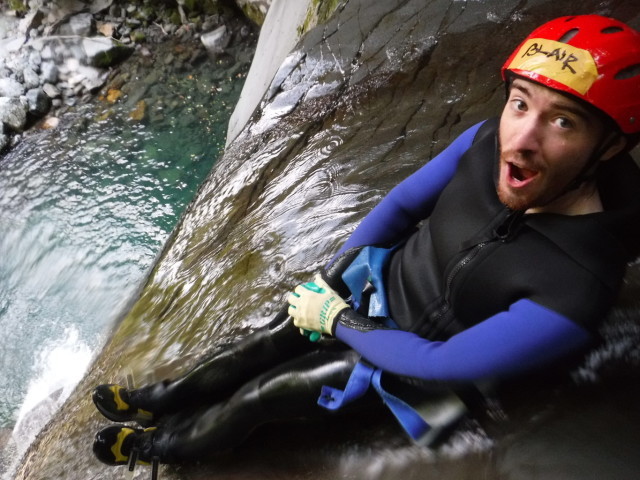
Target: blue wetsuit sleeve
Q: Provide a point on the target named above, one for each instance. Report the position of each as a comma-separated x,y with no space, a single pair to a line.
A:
412,200
523,338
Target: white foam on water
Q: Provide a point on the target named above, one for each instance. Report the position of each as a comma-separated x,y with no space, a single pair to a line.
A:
59,367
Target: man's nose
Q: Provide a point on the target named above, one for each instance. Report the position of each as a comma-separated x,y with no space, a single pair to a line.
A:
526,135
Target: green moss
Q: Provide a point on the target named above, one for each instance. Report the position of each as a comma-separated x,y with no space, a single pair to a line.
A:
18,6
326,9
174,17
211,7
138,36
254,14
112,56
319,12
197,7
145,14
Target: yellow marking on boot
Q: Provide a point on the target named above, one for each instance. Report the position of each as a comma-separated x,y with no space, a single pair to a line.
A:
116,448
120,403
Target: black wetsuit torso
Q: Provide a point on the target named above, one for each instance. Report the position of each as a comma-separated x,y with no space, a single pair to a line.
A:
475,257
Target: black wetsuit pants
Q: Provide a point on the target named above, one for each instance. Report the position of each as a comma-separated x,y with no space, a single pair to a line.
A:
274,373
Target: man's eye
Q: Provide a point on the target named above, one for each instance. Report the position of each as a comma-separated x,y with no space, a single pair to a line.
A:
519,105
563,122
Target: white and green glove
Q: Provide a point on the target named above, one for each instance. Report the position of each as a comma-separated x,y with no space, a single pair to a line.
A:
314,307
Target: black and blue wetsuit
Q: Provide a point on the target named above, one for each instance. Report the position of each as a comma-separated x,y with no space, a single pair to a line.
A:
478,292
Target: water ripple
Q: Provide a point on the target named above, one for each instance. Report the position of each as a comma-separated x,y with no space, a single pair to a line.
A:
84,210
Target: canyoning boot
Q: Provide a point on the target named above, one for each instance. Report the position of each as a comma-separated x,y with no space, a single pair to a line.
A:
123,445
114,402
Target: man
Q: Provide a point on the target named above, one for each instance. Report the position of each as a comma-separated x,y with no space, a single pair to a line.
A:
527,224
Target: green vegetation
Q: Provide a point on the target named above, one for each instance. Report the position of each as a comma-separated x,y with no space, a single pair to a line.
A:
254,14
319,12
18,6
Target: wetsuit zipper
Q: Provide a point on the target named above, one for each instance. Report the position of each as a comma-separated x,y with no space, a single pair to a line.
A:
504,232
444,308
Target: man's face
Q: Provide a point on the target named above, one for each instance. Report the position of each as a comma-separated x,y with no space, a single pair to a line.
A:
546,139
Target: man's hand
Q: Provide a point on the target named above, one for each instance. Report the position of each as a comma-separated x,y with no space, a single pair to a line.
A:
314,306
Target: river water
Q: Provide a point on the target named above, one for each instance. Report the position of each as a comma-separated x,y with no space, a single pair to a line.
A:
85,209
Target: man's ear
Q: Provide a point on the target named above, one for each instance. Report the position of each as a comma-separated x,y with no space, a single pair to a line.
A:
616,146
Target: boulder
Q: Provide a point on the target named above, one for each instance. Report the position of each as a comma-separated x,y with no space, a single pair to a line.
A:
39,102
98,51
31,20
51,90
104,52
10,87
98,6
216,41
59,12
49,72
81,24
91,78
34,59
13,113
10,45
30,78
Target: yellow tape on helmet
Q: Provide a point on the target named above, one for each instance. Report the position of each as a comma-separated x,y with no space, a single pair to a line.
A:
568,65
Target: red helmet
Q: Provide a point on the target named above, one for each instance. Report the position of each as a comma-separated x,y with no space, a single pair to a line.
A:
594,58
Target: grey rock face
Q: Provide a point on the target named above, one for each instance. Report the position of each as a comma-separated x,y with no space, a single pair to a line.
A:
13,113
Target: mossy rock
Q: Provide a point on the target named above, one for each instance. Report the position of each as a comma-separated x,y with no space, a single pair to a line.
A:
146,14
112,56
253,13
207,7
18,6
211,7
174,17
319,12
138,37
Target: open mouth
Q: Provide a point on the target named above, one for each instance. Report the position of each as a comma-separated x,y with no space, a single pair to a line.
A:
520,176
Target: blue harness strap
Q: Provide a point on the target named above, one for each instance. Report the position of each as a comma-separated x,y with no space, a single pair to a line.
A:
358,384
367,268
415,426
361,377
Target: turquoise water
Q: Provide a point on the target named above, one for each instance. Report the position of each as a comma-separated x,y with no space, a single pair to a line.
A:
84,210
